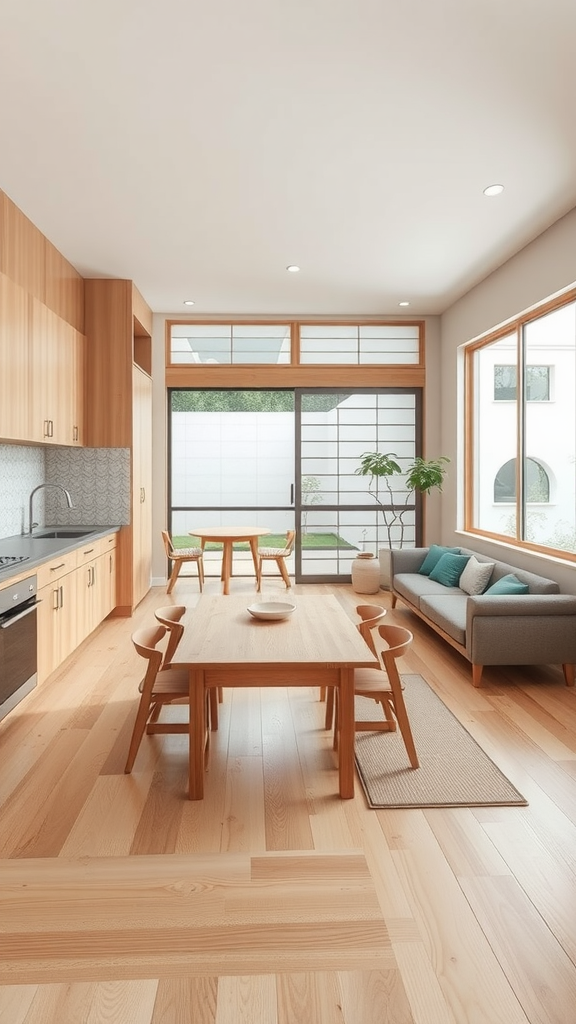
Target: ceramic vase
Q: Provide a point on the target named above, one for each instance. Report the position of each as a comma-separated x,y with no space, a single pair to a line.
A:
365,573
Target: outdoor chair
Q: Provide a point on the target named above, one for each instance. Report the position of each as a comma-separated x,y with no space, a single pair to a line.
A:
278,555
178,556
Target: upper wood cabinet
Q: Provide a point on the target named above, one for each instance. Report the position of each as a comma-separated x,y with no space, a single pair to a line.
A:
57,378
41,336
15,405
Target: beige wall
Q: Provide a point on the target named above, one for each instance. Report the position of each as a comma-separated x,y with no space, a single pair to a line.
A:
543,268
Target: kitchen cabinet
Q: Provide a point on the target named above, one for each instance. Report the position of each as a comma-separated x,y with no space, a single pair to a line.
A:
42,346
119,414
141,483
57,376
15,407
57,622
76,591
96,585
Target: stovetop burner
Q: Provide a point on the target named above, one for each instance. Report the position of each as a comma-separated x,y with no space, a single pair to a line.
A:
7,560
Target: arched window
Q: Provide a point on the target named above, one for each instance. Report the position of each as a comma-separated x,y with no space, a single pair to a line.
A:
537,482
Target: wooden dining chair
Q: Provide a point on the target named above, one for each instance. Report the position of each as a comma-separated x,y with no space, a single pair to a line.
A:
178,556
385,687
170,615
370,616
278,555
158,688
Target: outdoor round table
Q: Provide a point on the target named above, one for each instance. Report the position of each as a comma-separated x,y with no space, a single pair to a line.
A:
227,536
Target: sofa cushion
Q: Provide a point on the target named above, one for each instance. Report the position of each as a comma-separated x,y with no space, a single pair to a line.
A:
449,569
509,584
434,555
413,587
448,611
476,576
536,584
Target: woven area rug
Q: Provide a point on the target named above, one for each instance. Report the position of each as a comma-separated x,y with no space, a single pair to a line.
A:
454,771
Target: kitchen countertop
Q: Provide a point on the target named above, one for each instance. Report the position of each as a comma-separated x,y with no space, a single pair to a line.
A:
39,549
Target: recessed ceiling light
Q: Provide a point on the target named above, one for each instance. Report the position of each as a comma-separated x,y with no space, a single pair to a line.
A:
293,269
493,190
188,302
403,303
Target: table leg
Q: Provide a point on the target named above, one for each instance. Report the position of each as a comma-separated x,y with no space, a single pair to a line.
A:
346,737
226,566
196,733
254,550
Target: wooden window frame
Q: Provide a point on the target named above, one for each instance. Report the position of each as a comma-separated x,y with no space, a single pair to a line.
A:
511,327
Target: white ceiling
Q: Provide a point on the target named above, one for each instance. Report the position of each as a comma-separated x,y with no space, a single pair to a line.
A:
198,147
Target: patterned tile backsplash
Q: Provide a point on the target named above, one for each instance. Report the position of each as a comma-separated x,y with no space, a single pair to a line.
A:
98,480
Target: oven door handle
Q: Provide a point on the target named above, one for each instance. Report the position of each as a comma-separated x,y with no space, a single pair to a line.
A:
22,615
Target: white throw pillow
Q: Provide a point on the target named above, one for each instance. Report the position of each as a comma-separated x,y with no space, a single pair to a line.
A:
476,576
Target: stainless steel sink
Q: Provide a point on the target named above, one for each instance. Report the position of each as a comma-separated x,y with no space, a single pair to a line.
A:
55,534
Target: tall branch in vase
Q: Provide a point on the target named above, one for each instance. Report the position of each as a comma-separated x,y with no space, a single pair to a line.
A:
422,476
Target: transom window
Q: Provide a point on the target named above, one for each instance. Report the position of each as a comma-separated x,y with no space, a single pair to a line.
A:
322,344
230,343
354,345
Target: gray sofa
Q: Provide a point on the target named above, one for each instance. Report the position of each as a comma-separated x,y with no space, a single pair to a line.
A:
528,629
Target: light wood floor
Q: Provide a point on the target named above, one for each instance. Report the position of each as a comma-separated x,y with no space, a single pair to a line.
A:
273,901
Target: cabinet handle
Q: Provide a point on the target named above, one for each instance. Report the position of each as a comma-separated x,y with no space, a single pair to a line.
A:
110,569
89,571
142,495
88,551
61,597
50,428
46,428
93,575
74,433
54,568
56,599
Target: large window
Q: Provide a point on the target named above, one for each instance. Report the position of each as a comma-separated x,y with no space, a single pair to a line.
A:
521,431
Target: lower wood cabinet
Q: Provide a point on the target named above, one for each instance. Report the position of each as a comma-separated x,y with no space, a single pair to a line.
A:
96,582
76,593
57,617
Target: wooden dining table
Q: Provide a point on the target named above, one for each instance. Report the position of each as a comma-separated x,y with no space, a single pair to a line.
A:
228,536
316,645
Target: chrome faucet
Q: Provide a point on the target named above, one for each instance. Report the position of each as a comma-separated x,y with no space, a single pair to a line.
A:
59,487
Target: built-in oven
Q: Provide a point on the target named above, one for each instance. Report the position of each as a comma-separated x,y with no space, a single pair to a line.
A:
18,642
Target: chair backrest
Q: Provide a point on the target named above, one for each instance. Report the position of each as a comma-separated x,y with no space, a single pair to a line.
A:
167,543
289,543
398,639
146,642
169,615
371,615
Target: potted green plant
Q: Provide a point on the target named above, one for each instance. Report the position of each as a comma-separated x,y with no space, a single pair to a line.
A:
421,476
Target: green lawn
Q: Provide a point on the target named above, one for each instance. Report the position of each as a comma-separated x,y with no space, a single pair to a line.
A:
310,541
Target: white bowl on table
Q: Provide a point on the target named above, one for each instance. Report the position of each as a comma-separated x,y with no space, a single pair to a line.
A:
271,609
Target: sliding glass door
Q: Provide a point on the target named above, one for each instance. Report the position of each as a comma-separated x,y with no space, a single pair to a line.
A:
287,459
337,515
231,464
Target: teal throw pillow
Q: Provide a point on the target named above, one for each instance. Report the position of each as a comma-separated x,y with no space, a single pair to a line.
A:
509,584
434,555
449,569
